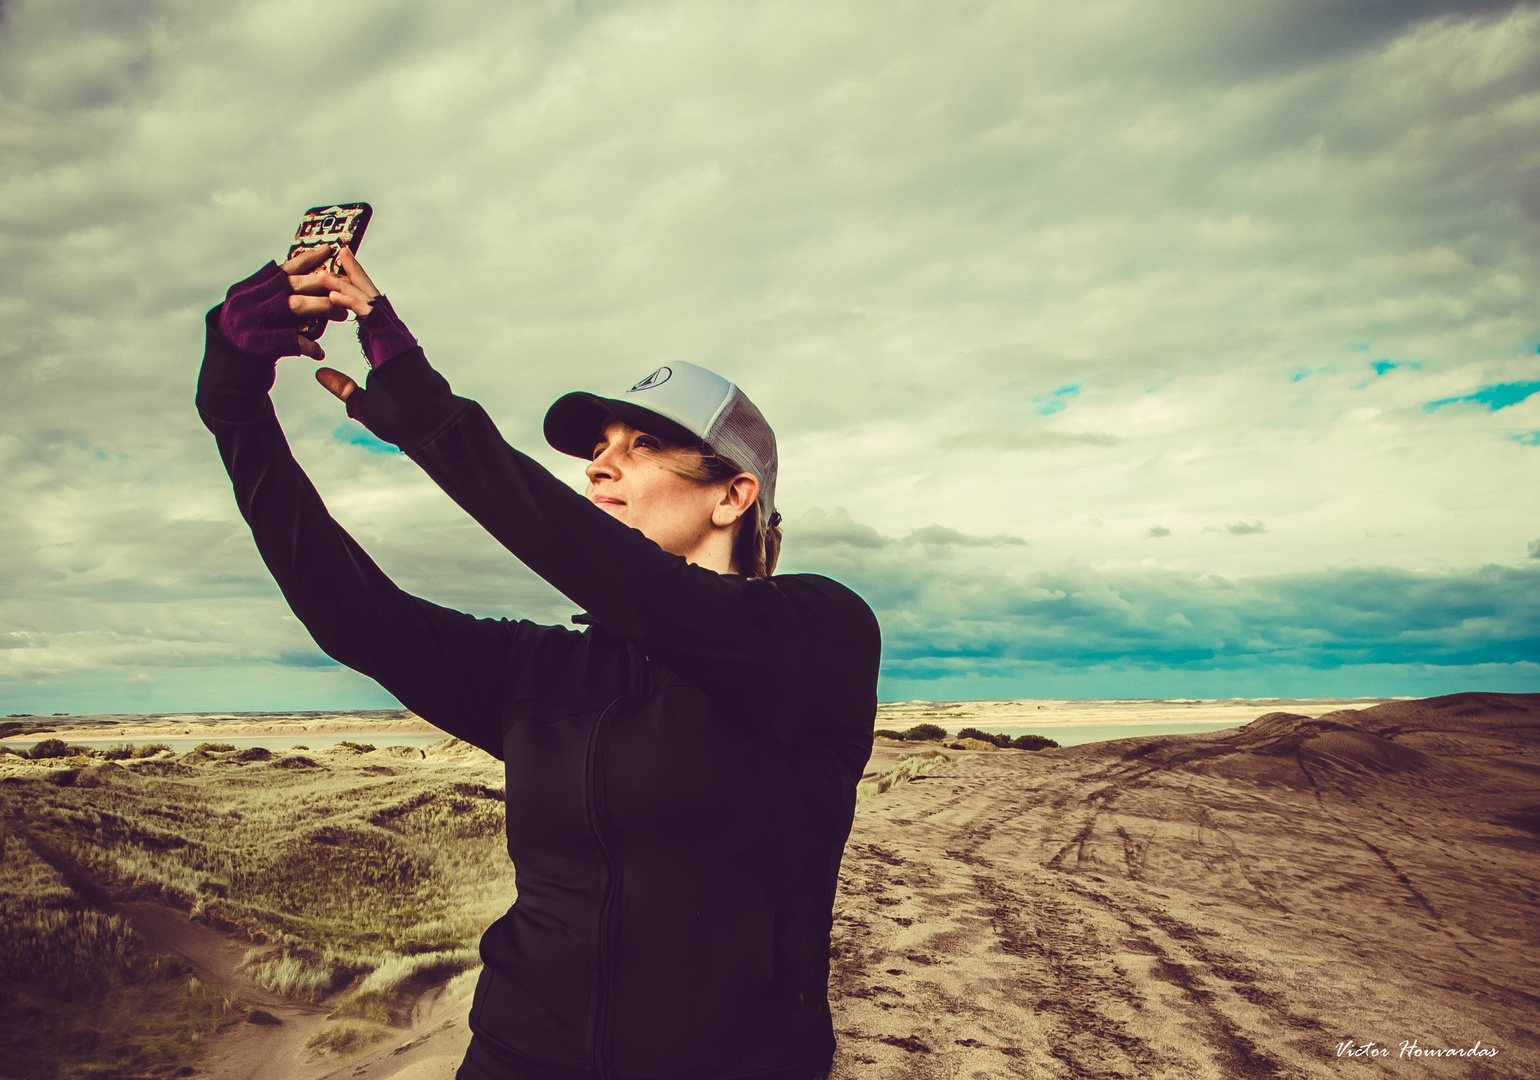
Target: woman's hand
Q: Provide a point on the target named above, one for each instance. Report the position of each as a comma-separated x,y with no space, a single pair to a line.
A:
319,292
262,317
380,330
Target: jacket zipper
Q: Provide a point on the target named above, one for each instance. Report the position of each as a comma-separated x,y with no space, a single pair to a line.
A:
600,1015
601,1012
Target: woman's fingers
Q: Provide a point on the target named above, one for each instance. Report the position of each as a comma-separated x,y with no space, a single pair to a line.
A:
339,290
307,260
356,273
351,301
335,381
316,307
310,348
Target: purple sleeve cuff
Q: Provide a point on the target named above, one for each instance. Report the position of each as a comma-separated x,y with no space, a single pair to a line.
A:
382,333
255,316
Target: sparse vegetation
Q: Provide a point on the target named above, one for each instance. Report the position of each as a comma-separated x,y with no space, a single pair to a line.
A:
347,1037
889,733
355,747
78,988
903,772
925,733
1032,742
289,976
365,888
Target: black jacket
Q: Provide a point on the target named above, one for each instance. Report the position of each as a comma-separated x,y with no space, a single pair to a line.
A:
681,774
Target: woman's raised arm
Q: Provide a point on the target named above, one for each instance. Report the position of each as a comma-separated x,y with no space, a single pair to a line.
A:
449,667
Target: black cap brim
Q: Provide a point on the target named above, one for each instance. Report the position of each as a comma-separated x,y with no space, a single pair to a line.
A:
574,422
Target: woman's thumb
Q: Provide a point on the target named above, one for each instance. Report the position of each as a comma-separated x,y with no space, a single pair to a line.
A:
339,384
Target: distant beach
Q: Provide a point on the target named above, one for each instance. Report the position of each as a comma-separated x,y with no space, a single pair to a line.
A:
1068,722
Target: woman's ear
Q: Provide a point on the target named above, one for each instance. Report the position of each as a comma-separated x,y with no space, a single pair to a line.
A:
739,495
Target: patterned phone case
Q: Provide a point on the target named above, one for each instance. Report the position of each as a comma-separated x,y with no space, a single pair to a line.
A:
342,224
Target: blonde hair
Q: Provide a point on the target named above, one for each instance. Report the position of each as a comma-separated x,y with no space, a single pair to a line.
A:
756,542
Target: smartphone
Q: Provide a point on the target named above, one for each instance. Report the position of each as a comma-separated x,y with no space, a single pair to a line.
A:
341,224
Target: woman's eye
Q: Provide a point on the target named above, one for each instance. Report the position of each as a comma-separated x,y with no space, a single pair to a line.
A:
649,442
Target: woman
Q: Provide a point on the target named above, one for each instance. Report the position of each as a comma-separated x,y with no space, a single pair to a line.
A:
680,773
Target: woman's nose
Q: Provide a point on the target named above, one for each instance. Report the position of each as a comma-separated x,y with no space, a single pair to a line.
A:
601,467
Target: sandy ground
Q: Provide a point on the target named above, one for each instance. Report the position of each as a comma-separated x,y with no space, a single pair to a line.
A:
1228,905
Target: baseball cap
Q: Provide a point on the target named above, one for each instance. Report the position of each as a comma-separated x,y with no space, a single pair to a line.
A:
681,402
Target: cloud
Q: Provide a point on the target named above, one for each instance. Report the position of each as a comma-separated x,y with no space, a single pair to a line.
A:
1021,439
1534,549
1056,273
1013,612
940,535
1245,528
1157,531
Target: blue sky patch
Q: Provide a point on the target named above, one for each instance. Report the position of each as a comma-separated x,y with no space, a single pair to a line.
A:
1494,397
1384,367
1056,401
355,435
1527,438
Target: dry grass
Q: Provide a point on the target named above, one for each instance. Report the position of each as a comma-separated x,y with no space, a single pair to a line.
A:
347,1037
902,773
364,877
367,877
79,992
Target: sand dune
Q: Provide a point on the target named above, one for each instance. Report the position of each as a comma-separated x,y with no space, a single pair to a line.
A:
1222,905
1235,904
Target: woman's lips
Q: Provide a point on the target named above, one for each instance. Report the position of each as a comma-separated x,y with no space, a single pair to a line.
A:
607,500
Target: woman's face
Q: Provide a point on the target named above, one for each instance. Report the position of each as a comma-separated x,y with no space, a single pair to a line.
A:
673,511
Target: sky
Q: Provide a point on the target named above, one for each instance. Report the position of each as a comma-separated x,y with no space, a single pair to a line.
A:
1123,348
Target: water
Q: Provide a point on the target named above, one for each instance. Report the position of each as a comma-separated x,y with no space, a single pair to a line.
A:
1076,734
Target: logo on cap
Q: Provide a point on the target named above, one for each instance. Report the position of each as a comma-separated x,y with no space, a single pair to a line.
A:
657,378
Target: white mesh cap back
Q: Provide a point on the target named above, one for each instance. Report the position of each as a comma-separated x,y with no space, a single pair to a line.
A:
741,435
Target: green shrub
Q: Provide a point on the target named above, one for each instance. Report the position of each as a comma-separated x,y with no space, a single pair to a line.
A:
1032,742
924,733
120,752
889,733
254,753
48,748
213,748
356,747
150,749
1001,741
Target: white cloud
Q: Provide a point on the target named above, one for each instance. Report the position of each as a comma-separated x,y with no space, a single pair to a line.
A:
901,228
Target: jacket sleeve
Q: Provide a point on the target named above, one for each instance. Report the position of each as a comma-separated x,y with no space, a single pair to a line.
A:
449,667
721,632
